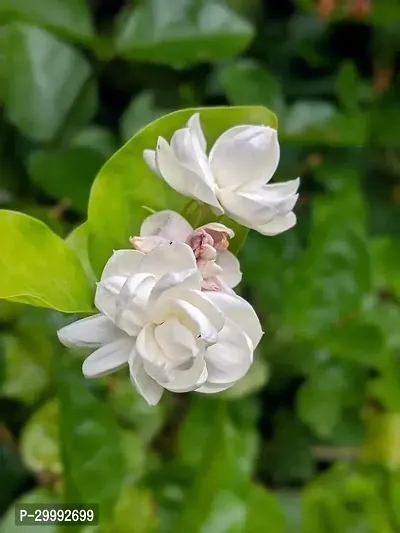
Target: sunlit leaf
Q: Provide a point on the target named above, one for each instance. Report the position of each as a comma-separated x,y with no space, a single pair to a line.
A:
38,268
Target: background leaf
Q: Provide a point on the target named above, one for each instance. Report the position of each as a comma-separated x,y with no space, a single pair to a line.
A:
192,32
53,75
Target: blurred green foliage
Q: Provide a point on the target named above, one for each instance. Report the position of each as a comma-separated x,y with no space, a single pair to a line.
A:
309,441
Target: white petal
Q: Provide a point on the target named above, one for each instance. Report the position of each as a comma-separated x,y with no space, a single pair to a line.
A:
153,357
170,168
280,191
149,157
248,209
278,224
200,326
176,341
167,224
108,358
230,265
198,299
168,258
149,389
196,131
106,295
186,279
245,156
230,358
240,311
122,263
212,388
89,332
185,180
132,301
191,156
190,379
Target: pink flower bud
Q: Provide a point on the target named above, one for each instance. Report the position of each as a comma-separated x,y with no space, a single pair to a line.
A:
201,243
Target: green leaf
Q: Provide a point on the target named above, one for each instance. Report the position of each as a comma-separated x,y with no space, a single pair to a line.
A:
35,496
78,241
14,476
385,253
262,504
66,174
141,110
394,487
125,184
333,275
93,460
321,123
344,500
248,82
217,499
348,86
38,268
382,444
135,454
28,360
131,410
97,138
291,507
71,19
321,399
40,441
354,340
288,458
134,512
52,73
193,32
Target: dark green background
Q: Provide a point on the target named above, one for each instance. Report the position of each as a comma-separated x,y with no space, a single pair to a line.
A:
309,441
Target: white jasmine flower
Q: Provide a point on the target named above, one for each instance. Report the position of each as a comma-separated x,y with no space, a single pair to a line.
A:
219,268
233,178
154,317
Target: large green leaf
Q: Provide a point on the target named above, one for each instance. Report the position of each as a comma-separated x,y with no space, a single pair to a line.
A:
91,448
77,240
38,268
125,186
192,32
70,18
52,73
